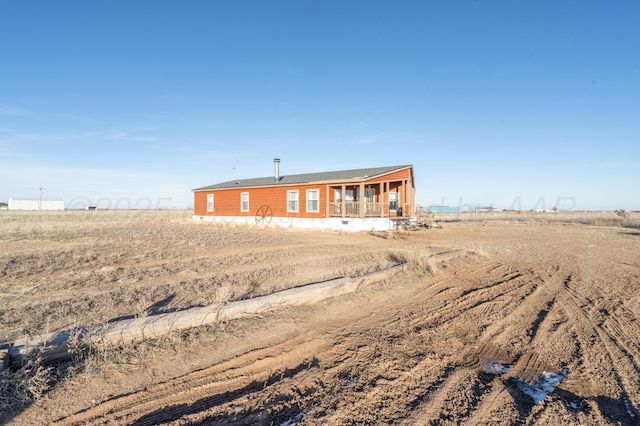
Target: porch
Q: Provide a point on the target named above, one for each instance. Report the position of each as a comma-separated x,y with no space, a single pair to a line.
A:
384,199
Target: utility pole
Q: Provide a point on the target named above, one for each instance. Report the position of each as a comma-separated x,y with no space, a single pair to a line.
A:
40,201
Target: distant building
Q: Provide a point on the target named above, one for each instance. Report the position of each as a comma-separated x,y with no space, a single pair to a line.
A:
4,206
486,209
35,204
443,209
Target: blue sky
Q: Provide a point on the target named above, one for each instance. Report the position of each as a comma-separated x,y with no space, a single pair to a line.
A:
515,104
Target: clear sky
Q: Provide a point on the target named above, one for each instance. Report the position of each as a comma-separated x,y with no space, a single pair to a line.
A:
515,104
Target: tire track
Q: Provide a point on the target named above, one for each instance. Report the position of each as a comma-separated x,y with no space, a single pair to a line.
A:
468,299
538,318
482,393
622,366
510,332
220,383
623,326
464,398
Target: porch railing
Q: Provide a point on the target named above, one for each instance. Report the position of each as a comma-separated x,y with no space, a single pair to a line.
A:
373,209
352,209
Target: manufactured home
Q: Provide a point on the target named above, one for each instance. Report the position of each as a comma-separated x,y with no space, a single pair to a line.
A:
351,200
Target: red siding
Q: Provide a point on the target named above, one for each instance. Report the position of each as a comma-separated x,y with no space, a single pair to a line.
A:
395,176
227,201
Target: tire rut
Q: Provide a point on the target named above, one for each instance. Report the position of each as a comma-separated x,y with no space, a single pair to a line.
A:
211,386
615,361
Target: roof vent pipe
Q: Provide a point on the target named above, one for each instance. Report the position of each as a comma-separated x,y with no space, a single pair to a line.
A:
276,169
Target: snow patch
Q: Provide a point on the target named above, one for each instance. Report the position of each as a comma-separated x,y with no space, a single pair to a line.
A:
538,390
293,420
628,407
543,386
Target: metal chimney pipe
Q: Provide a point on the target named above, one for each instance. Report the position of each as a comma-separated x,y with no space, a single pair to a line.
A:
276,169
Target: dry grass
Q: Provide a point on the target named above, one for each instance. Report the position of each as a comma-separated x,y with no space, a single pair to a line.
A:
85,268
78,269
614,218
62,270
542,293
26,384
59,270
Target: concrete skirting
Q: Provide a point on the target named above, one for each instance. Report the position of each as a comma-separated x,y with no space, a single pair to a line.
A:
350,224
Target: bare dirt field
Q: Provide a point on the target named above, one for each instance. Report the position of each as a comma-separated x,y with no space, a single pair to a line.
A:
496,320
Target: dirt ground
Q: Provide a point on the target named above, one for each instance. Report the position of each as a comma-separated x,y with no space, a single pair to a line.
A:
464,335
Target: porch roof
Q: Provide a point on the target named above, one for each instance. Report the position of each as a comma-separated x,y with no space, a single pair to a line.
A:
355,175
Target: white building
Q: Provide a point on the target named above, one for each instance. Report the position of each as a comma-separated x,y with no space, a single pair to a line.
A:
35,204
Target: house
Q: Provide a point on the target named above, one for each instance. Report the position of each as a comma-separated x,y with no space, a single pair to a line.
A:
350,200
35,204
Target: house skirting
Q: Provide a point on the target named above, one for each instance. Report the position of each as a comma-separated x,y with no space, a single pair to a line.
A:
352,224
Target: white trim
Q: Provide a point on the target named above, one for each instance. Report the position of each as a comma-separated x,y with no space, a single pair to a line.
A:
210,202
242,201
317,200
297,200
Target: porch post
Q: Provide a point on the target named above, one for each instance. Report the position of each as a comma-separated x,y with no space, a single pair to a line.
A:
343,205
327,199
361,201
386,197
403,193
381,199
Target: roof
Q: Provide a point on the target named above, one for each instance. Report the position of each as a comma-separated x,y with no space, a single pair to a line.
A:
337,176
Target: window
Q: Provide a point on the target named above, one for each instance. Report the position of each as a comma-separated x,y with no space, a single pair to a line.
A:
292,201
209,202
313,200
244,201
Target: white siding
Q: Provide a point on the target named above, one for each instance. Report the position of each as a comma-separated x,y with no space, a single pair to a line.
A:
35,204
352,224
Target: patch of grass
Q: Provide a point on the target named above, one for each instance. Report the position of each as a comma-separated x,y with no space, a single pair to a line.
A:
29,383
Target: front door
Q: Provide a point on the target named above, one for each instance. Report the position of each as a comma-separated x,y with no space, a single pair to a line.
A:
349,196
393,201
369,194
